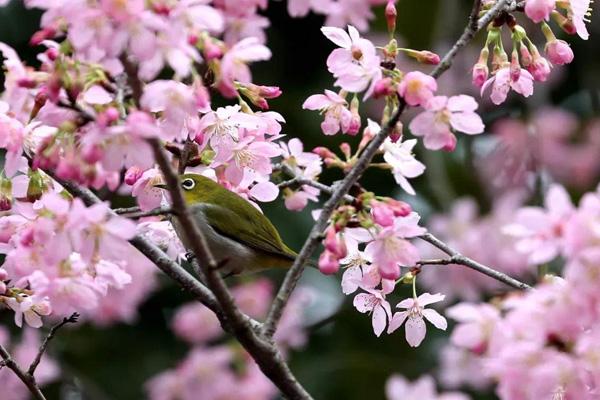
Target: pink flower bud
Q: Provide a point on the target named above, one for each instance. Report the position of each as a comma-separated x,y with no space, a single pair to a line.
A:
41,35
480,74
26,83
526,57
390,15
540,69
211,50
450,144
383,87
5,203
192,39
559,52
382,213
52,53
323,152
428,57
2,287
3,274
269,92
515,68
92,154
328,263
132,175
335,245
400,208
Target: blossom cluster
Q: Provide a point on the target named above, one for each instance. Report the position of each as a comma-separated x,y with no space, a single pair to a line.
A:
63,257
525,64
552,141
225,370
529,355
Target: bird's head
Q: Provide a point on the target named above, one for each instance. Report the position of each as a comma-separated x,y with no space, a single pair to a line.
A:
199,189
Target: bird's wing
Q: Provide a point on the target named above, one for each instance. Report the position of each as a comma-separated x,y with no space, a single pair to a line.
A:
256,231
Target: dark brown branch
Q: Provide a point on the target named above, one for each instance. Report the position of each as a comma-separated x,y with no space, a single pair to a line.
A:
70,320
264,352
135,212
474,26
25,377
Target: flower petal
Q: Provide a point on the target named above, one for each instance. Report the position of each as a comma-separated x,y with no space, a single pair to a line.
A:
435,318
415,331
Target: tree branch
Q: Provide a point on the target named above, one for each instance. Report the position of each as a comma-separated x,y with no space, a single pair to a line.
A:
264,352
311,243
25,377
135,212
474,26
457,258
70,320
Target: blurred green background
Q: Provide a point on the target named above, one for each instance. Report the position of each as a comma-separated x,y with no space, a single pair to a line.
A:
343,359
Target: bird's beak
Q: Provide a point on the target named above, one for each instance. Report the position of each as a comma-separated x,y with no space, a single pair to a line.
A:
160,186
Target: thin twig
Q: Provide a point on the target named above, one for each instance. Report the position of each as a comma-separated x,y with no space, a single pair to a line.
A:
26,378
457,258
474,26
135,212
70,320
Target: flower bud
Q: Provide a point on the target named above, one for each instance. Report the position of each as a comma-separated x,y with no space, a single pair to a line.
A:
382,213
3,274
211,50
328,263
480,74
2,287
526,57
324,152
132,175
400,208
390,16
559,52
41,35
383,87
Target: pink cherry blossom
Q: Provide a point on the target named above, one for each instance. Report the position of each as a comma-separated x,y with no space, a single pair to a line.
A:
374,302
579,11
503,81
234,63
476,324
174,100
539,10
443,114
335,108
417,88
391,249
355,64
415,311
31,308
540,230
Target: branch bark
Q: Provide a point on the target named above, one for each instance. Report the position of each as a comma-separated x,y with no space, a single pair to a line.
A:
38,358
25,377
457,258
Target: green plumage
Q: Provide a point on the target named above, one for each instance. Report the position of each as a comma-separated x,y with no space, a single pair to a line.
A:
234,218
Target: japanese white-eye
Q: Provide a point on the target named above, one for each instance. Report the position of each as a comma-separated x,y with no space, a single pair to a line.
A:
236,232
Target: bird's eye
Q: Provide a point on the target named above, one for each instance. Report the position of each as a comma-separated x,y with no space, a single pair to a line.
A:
188,184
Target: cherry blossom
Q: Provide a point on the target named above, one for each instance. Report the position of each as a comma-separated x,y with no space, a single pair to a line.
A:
335,108
417,88
504,80
374,302
355,64
443,114
415,311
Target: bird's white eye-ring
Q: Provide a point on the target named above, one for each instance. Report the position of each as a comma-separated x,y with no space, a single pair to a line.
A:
188,184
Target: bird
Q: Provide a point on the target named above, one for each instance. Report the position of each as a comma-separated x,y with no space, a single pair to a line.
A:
239,236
